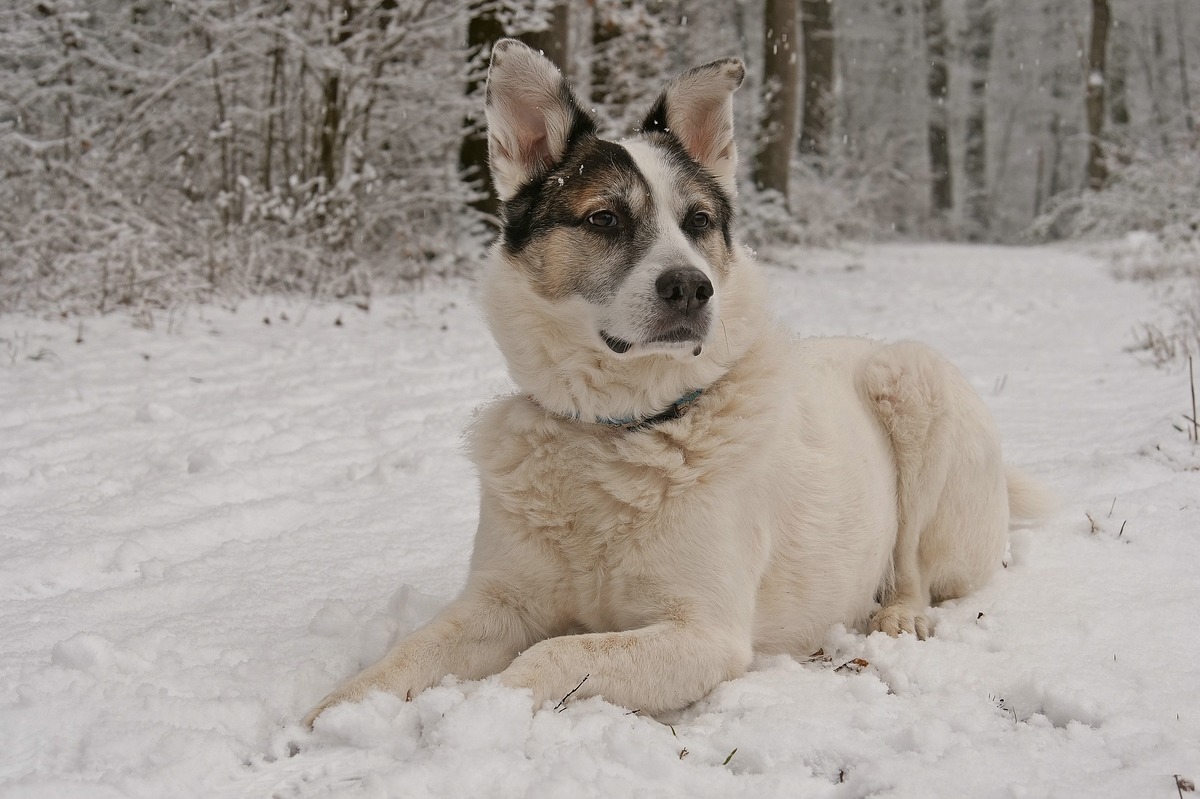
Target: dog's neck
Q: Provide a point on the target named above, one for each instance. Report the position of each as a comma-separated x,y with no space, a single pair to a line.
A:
674,411
557,363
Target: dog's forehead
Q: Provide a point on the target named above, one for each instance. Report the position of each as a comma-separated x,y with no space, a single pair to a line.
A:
668,176
597,170
643,171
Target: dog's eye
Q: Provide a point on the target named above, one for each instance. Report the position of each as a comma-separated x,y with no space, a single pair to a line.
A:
698,221
603,219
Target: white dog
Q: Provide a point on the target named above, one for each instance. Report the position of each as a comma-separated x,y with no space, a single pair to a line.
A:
679,482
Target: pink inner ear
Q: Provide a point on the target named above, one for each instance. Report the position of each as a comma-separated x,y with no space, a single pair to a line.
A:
533,140
536,152
702,134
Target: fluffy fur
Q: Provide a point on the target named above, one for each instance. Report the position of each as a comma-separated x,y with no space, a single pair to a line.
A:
811,478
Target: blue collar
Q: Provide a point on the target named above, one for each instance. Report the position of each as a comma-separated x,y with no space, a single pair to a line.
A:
677,409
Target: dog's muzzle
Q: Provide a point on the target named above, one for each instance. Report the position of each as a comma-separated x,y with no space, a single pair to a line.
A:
678,314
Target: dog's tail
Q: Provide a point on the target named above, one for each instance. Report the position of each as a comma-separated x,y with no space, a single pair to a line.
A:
1027,498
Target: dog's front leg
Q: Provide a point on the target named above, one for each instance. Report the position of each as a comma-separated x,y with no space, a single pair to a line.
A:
664,666
475,636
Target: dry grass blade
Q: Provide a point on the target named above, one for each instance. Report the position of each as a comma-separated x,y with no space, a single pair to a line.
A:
1192,380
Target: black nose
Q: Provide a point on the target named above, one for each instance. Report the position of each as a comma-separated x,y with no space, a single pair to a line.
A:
685,290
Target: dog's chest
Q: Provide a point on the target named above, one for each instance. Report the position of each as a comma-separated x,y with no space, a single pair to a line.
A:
592,512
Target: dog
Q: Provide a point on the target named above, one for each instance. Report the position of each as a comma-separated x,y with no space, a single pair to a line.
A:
680,483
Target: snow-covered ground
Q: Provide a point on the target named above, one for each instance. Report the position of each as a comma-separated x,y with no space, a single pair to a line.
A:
209,519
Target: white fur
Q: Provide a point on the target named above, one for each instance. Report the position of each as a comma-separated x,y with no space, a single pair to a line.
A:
812,476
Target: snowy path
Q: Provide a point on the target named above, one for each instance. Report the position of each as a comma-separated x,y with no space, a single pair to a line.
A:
206,524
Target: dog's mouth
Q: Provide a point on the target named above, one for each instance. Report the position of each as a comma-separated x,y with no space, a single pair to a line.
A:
677,338
618,345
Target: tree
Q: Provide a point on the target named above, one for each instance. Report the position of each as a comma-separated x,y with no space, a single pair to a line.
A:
483,30
938,82
490,21
1097,169
816,23
554,38
772,162
629,54
1118,80
980,26
1185,95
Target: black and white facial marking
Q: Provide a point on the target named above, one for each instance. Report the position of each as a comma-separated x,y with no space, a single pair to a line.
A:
638,230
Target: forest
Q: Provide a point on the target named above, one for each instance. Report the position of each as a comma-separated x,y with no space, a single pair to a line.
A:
157,152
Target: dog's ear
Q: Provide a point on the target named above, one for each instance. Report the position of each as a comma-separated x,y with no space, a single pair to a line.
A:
696,108
531,116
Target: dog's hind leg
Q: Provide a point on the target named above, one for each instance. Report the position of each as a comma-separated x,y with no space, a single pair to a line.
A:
952,508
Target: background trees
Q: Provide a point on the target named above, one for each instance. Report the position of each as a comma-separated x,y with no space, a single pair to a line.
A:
1097,81
772,165
819,49
938,81
981,24
153,151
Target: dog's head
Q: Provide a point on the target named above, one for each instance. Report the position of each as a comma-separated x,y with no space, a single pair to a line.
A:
615,281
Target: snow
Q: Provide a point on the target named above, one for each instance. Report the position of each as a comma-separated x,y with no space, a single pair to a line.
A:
207,520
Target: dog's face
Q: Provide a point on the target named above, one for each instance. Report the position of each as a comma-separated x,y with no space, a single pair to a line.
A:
635,236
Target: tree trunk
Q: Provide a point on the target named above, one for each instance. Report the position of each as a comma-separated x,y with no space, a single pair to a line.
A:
553,40
1118,80
778,127
980,26
1185,95
1097,169
333,100
938,83
484,28
816,23
1156,79
273,106
630,54
605,30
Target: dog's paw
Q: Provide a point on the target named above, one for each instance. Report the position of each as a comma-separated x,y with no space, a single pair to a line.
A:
526,674
335,698
551,673
898,619
353,690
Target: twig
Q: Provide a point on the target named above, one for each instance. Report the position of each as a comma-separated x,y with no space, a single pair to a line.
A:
1192,380
1110,507
730,757
1122,528
562,703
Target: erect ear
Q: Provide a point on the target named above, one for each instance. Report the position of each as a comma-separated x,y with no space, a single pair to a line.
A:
531,116
696,108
